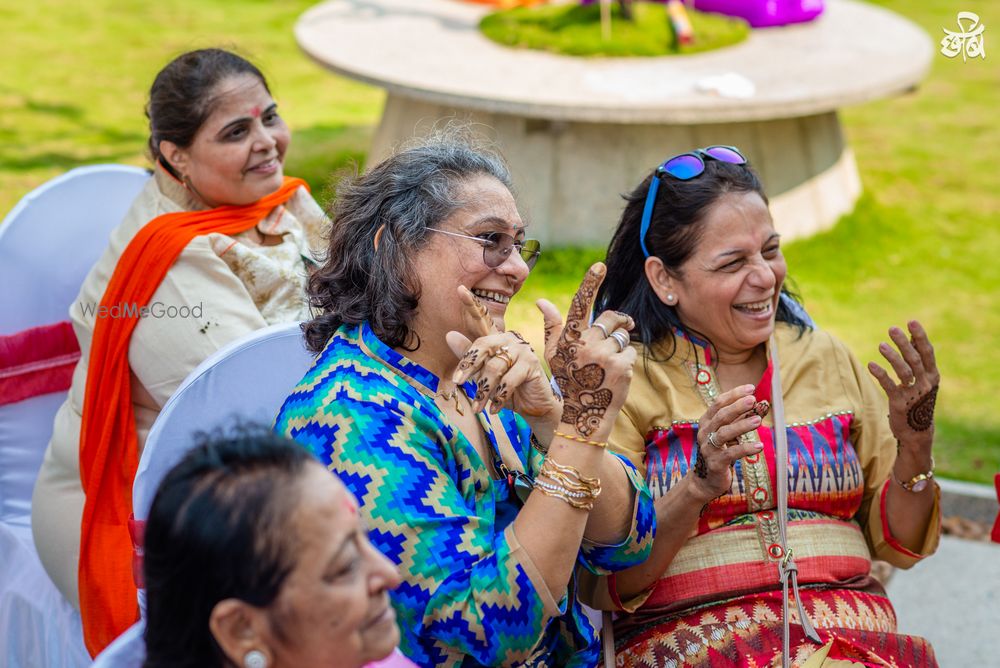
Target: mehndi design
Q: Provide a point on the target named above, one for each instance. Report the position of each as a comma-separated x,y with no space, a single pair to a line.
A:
585,400
920,416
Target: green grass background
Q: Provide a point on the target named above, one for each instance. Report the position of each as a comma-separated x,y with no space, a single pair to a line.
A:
924,241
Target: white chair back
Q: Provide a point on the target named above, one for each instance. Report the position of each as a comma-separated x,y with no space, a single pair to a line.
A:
246,381
48,243
52,238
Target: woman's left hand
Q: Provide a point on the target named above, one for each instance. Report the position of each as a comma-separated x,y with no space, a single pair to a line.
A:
911,401
507,372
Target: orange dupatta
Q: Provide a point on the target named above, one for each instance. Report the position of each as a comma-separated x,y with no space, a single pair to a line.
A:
108,446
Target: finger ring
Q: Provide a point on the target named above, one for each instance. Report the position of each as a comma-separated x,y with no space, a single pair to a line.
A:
602,328
622,338
711,441
912,381
503,352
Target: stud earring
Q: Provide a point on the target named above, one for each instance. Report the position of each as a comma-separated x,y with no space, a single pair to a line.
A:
254,659
671,299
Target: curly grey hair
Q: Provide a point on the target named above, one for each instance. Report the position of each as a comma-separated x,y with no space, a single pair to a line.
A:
405,195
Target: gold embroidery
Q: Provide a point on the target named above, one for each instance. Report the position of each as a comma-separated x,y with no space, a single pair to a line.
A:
757,487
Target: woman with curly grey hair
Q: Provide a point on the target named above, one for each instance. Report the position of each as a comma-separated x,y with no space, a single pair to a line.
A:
439,420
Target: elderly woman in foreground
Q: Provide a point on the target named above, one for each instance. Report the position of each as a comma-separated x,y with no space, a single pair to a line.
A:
439,420
697,263
255,556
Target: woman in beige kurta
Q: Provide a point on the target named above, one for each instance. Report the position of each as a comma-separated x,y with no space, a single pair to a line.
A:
220,289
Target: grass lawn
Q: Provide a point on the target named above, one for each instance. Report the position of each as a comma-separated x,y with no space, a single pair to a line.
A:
923,242
74,78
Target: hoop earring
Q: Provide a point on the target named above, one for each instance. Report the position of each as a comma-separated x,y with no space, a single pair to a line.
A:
254,659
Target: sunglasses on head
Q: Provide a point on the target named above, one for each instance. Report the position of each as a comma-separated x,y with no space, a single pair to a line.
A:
497,247
683,167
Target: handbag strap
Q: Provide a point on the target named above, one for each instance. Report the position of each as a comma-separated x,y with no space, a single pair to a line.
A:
787,571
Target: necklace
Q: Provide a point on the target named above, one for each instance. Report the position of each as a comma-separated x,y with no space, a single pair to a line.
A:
452,395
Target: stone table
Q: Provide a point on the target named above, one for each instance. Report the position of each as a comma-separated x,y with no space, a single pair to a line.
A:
577,132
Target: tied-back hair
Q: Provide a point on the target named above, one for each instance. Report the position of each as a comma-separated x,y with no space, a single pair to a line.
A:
184,94
218,528
674,232
403,196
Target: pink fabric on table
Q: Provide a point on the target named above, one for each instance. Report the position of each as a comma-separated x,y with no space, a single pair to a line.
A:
394,660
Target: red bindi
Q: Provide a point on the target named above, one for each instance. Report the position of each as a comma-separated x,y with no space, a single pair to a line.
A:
255,112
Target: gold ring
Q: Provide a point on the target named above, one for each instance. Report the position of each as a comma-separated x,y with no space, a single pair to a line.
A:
503,352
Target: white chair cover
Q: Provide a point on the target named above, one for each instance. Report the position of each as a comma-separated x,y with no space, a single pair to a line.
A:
52,238
127,651
248,381
48,243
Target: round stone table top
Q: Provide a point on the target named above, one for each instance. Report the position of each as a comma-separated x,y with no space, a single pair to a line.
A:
432,50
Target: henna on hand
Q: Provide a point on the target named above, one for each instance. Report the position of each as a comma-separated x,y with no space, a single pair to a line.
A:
482,390
469,359
760,409
499,398
480,307
700,465
920,416
585,401
521,340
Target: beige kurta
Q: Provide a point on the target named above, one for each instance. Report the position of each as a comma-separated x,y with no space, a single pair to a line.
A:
841,454
229,286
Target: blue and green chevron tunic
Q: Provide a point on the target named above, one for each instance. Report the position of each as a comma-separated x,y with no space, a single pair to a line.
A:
471,595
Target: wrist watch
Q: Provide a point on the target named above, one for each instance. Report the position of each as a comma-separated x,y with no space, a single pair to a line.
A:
917,483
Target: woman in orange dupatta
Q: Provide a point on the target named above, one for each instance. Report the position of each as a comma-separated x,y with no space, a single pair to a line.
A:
216,246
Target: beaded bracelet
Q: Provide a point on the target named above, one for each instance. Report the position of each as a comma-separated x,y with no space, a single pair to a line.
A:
596,444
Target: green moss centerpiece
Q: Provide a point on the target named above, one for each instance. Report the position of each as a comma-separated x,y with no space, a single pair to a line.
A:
575,30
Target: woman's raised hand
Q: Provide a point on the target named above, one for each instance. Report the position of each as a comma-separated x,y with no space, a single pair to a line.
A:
731,415
911,401
507,372
592,364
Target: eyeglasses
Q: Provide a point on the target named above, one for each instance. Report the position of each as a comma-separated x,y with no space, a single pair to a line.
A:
683,167
497,247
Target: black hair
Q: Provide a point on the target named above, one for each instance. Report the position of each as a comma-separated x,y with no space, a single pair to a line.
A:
218,529
674,231
403,196
183,96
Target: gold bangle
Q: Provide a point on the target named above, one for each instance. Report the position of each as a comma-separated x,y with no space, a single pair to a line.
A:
596,444
567,483
564,475
579,500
